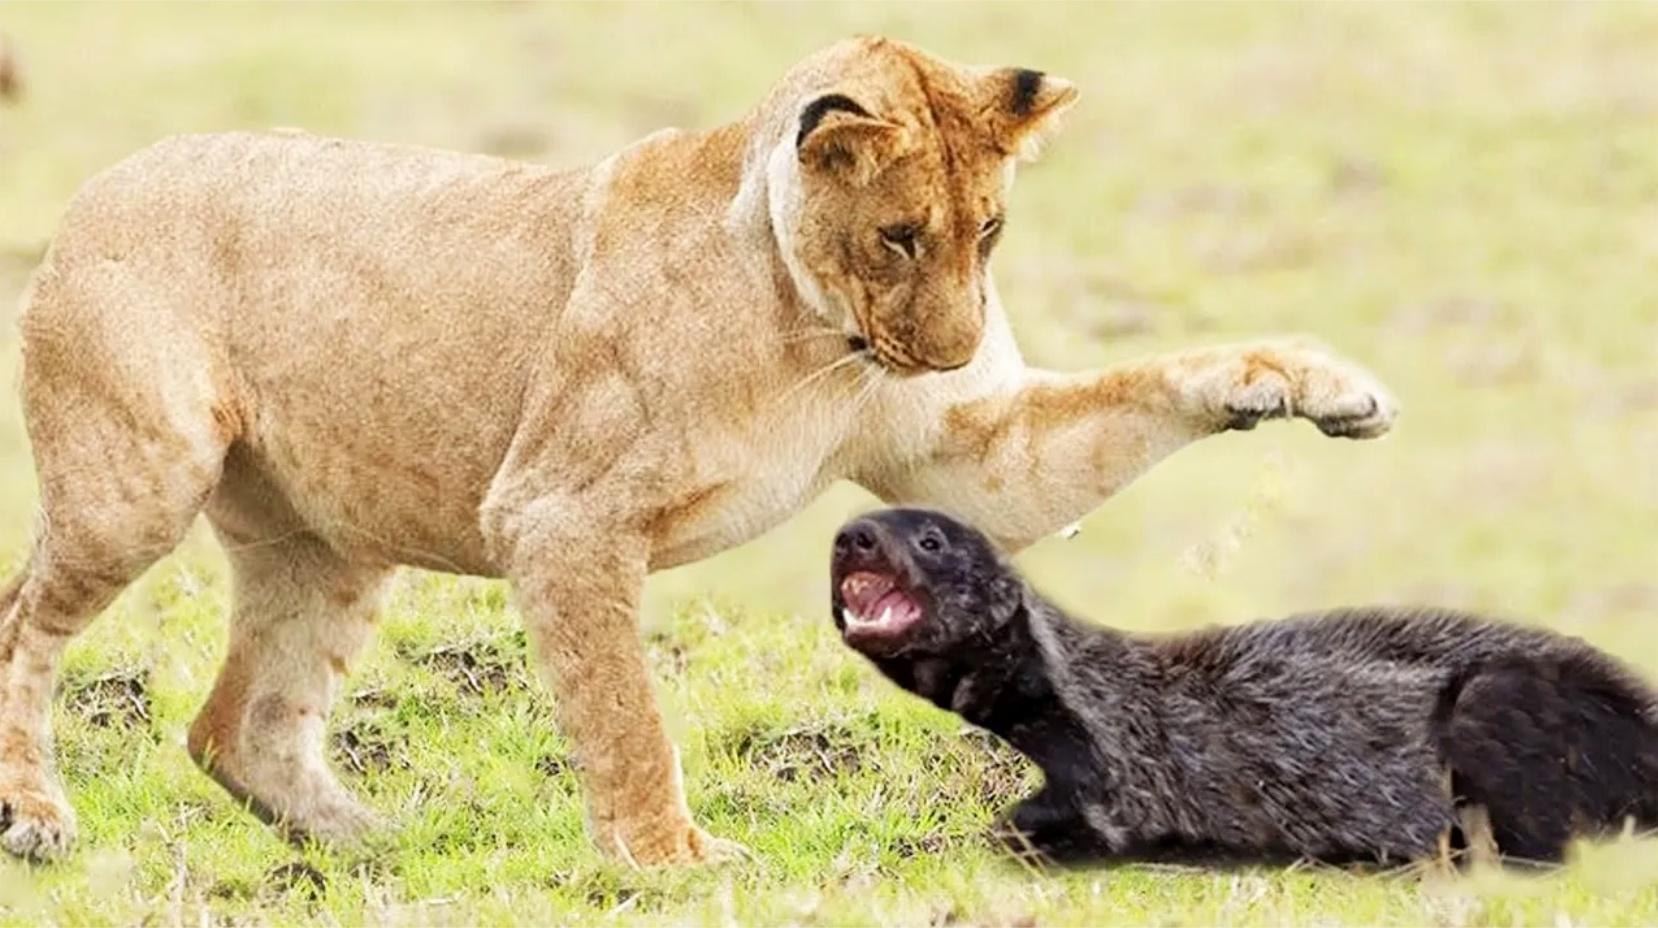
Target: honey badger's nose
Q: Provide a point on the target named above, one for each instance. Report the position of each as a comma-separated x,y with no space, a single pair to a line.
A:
861,536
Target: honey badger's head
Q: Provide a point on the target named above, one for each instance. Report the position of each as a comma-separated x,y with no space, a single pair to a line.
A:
917,582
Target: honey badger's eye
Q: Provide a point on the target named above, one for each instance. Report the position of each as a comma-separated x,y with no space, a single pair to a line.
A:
930,541
901,238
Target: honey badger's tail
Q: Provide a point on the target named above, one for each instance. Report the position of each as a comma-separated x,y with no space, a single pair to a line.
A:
1552,746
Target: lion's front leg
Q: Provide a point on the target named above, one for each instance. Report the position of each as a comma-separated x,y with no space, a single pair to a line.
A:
1026,462
580,600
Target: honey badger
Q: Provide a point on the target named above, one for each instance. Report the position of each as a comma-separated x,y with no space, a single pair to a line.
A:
1352,735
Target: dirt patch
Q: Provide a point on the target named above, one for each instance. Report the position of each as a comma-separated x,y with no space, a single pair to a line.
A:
232,890
605,899
115,699
811,754
929,844
480,667
555,765
374,697
604,890
297,877
668,657
363,746
1004,775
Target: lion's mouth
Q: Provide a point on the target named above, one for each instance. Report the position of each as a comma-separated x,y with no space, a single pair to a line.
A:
891,355
875,607
881,350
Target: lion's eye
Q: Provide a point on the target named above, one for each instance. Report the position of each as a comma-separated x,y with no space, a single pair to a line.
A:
901,238
990,227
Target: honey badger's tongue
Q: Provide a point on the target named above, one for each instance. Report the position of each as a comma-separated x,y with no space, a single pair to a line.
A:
876,607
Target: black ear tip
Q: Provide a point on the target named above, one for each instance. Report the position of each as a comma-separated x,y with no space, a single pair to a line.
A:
1025,85
823,106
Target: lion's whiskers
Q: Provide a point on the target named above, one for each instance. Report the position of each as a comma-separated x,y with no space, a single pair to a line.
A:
818,374
802,335
869,381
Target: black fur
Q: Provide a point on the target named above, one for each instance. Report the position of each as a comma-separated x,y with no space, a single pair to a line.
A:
821,107
1329,736
1025,85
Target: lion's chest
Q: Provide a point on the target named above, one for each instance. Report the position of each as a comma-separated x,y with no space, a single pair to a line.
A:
745,482
747,477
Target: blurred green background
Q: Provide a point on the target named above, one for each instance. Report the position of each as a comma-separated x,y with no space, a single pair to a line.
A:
1464,198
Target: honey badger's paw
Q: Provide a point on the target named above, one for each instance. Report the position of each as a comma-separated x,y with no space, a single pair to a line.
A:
1285,380
36,821
1046,827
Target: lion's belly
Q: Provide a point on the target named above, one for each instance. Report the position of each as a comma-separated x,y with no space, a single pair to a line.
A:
385,436
368,498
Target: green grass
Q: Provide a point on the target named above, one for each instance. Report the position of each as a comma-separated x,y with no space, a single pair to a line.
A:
1462,197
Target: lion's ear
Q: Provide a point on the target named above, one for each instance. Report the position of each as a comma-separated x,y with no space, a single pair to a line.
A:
1023,108
838,135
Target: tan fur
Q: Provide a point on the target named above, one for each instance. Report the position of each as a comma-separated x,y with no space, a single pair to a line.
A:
354,356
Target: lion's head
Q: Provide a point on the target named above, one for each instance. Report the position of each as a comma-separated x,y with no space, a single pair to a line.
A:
887,194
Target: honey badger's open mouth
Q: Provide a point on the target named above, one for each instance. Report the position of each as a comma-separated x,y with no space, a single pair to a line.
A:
875,607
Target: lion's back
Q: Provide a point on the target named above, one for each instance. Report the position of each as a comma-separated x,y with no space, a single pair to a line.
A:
217,196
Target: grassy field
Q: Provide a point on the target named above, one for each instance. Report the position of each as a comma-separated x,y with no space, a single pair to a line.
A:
1465,198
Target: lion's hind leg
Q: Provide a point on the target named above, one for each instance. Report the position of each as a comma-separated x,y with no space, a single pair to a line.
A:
127,446
301,614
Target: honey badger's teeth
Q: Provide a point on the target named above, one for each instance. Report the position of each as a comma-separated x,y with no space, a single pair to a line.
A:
854,620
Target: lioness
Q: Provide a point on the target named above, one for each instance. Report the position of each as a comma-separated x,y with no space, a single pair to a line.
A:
355,356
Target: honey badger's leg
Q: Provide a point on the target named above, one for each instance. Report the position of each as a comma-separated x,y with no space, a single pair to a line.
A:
300,615
1444,859
1480,844
1552,746
1026,462
127,445
1506,736
1051,823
